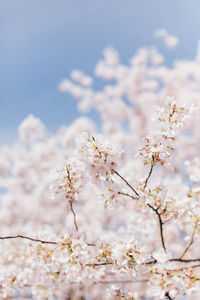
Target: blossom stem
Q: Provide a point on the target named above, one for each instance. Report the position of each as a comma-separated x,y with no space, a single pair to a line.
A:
27,238
191,242
128,195
74,215
160,226
149,175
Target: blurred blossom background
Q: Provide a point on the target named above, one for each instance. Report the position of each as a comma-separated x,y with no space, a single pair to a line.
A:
43,40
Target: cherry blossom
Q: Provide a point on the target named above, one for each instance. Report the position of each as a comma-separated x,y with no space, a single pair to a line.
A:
110,210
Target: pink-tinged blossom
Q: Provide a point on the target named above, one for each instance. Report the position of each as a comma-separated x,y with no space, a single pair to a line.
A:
161,144
68,182
100,155
78,76
31,129
170,40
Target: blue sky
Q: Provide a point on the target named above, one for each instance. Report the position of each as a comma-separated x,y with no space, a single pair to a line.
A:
43,40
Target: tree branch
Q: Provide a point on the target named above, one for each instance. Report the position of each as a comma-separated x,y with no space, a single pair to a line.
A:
128,184
191,242
185,260
168,220
74,215
71,200
128,195
184,268
27,238
168,296
35,240
160,225
149,175
99,264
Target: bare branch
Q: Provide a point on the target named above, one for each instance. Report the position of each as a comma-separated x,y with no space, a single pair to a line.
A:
128,184
185,260
74,215
71,200
99,264
149,175
156,211
27,238
121,281
168,220
35,240
128,195
190,243
168,296
185,268
160,225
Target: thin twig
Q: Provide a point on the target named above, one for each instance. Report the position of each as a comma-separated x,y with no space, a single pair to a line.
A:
149,175
168,296
128,184
168,220
27,238
183,260
74,215
99,264
36,240
121,281
160,225
191,242
184,268
156,210
128,195
70,202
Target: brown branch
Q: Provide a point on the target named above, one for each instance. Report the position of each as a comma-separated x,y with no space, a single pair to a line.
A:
185,260
149,175
160,226
36,240
128,195
27,238
99,264
128,184
185,268
191,242
121,281
161,223
74,215
168,220
168,296
71,200
181,260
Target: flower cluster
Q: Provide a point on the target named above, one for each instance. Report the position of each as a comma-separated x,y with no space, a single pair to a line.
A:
101,158
160,144
100,155
68,182
145,244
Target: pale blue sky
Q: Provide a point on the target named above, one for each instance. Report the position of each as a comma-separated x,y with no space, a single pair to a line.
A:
43,40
